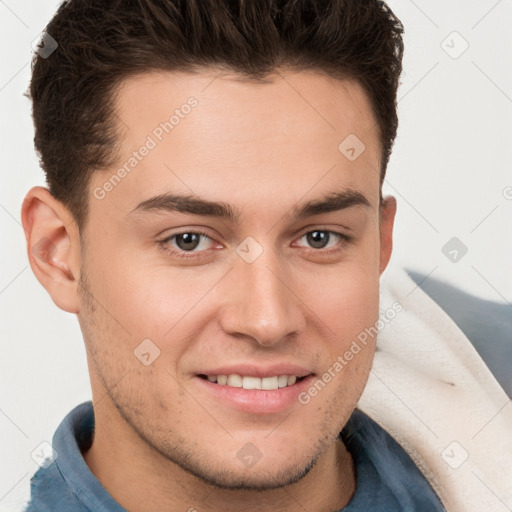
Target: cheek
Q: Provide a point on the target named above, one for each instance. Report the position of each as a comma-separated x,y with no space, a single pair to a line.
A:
346,298
147,299
349,307
149,309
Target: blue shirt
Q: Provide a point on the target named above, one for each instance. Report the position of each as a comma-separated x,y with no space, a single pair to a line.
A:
387,479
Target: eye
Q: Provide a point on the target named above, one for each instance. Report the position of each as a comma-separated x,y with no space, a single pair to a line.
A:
188,241
321,238
191,244
185,244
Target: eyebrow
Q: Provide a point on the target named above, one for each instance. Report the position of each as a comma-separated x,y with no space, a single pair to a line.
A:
194,205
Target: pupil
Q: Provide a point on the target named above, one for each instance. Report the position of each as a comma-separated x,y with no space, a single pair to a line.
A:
318,239
188,241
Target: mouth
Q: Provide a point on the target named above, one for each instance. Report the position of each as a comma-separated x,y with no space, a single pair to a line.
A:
254,395
251,382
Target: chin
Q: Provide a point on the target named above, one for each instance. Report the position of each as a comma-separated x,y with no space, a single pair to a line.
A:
262,478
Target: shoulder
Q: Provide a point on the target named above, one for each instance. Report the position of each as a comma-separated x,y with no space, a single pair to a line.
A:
49,491
487,324
66,483
387,478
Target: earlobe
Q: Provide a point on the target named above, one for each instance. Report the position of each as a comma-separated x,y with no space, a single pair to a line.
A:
387,219
53,246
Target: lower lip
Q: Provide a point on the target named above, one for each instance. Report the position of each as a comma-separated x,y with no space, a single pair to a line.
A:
257,401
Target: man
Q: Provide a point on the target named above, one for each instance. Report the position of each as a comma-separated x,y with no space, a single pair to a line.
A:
215,220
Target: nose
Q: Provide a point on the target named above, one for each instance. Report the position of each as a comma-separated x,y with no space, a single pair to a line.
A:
261,302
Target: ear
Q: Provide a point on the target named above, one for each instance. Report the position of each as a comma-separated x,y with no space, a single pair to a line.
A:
53,246
387,220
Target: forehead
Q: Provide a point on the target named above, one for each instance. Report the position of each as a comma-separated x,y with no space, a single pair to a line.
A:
304,104
222,137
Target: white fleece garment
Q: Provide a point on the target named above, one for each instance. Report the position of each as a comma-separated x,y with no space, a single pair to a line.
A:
433,393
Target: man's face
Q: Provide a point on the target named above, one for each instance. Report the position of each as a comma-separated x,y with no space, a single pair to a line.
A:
267,292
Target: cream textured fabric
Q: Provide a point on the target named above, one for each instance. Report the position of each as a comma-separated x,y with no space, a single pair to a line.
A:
433,393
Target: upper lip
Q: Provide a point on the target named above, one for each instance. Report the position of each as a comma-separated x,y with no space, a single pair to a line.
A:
254,370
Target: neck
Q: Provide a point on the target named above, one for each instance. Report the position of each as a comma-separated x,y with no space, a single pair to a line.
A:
139,478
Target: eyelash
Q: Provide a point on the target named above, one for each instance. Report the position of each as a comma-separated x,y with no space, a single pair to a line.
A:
180,253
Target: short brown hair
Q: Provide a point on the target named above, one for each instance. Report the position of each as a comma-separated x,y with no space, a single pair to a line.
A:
101,43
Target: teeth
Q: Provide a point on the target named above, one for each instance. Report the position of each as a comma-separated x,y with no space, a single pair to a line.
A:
282,381
270,382
249,382
235,381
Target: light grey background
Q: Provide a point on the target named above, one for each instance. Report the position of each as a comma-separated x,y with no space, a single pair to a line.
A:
450,171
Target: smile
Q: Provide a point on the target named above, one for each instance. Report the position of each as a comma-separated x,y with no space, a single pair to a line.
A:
254,395
251,382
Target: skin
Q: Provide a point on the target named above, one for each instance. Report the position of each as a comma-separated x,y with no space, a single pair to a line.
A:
162,442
